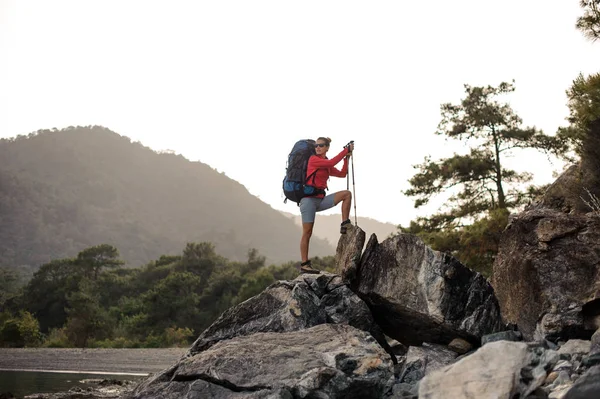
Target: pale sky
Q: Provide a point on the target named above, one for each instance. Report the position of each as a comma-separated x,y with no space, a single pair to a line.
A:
235,84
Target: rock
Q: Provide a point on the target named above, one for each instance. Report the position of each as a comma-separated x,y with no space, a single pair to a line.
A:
550,378
306,301
595,343
422,360
545,274
420,295
560,391
576,346
460,346
95,389
404,391
491,372
348,253
398,348
588,386
326,361
564,195
563,365
508,335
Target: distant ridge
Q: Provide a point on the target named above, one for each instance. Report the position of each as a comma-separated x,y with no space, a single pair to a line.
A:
64,190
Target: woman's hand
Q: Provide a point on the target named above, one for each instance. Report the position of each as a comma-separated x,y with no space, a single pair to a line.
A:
350,147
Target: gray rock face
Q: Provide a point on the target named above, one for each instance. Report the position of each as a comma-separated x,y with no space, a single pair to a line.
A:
304,302
588,386
422,360
348,253
491,372
420,295
595,343
508,335
546,274
326,361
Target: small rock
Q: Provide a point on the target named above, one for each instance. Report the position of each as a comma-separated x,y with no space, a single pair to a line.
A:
562,379
563,365
595,343
509,335
576,346
460,346
560,392
592,360
551,378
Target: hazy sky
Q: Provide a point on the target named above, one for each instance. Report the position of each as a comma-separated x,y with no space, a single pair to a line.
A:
235,83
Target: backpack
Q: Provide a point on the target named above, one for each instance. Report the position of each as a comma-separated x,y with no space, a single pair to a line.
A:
295,182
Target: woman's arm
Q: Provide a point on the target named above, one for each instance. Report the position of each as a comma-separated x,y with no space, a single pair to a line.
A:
339,173
319,162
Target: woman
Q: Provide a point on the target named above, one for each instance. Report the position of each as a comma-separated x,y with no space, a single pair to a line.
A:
322,168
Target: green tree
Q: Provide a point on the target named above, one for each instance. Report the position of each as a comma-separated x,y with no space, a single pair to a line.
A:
173,301
254,284
46,293
92,260
482,181
478,182
20,331
589,22
86,318
8,284
584,130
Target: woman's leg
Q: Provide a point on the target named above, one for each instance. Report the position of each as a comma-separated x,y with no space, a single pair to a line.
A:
346,198
308,209
307,229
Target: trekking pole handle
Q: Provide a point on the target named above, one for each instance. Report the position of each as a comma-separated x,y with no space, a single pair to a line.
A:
349,144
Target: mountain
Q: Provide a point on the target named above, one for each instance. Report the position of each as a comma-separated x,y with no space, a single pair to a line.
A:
327,227
62,191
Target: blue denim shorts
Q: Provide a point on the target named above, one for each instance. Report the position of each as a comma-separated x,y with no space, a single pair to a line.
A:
309,206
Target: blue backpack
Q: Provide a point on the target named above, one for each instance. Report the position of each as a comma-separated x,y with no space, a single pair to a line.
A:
295,183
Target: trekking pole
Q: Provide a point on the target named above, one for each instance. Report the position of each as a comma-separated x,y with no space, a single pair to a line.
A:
347,180
353,190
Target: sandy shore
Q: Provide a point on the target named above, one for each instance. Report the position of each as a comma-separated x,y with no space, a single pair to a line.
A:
135,361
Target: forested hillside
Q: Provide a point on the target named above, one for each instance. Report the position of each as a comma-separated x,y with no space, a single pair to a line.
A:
65,190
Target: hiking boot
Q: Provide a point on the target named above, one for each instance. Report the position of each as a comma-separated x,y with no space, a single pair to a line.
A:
307,268
344,226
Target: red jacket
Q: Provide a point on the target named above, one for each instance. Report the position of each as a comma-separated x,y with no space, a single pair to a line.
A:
325,168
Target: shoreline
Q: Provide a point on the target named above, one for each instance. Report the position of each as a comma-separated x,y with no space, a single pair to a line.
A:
127,361
77,372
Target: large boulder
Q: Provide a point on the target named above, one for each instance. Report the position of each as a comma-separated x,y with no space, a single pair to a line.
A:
546,274
304,302
326,361
494,371
420,295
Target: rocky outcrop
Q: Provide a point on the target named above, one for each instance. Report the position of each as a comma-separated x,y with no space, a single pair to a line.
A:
504,369
285,306
326,336
420,295
326,361
349,252
546,274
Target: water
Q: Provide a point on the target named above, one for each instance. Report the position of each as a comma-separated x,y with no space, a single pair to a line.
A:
21,383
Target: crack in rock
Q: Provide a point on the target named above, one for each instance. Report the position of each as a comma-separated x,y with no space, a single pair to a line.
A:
223,383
